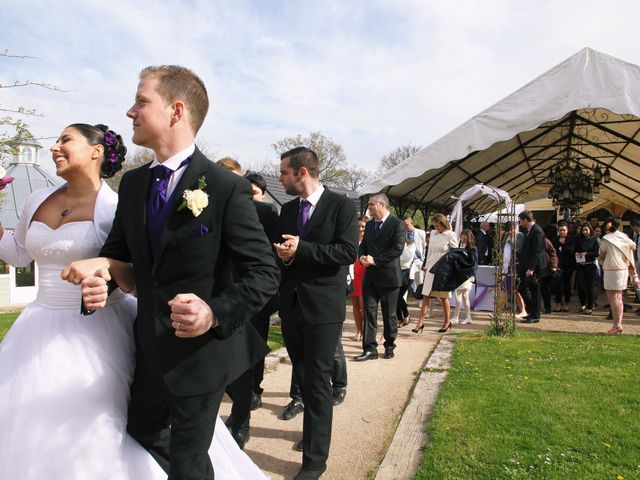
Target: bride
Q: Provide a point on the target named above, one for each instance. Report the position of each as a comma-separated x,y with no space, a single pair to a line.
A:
64,377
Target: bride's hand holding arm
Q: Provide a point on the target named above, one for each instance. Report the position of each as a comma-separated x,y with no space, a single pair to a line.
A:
121,272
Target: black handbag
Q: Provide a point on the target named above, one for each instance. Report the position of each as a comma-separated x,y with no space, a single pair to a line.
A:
349,284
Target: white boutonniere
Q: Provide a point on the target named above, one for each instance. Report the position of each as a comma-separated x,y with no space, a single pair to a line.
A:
195,200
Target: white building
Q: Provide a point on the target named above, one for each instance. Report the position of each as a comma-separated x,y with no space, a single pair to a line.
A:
19,285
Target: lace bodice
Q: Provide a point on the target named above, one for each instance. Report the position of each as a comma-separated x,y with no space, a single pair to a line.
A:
55,249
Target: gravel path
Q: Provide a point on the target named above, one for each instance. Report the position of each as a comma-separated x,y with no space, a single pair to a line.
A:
378,392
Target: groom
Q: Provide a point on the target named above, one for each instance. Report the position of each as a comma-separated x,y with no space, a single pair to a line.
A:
192,332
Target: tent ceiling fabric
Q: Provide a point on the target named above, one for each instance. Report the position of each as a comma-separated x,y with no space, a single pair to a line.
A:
587,107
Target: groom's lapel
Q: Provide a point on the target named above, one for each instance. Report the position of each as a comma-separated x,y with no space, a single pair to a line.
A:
189,180
139,203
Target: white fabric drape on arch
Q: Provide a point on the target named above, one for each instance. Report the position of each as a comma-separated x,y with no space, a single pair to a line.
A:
495,193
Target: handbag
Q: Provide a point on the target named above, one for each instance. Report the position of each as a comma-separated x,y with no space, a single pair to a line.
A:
349,284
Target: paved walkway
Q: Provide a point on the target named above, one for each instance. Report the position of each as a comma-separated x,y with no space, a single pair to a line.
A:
379,394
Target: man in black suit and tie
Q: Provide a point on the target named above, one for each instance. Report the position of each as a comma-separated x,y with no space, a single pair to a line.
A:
177,222
531,264
320,238
484,243
380,252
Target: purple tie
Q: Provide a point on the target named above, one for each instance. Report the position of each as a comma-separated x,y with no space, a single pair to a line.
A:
157,213
303,216
158,193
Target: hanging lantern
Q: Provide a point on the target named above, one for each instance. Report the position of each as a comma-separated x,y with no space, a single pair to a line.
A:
597,175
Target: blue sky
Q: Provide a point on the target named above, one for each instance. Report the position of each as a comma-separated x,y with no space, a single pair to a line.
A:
369,74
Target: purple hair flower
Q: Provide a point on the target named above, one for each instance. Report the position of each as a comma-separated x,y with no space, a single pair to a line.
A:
113,157
110,138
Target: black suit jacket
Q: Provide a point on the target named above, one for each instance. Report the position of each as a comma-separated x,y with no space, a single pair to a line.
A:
318,273
269,220
186,262
532,256
484,242
385,247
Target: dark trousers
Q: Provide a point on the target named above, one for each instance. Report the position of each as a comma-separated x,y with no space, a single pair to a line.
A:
584,277
529,288
545,291
240,393
338,374
562,287
388,298
261,323
312,348
182,450
401,310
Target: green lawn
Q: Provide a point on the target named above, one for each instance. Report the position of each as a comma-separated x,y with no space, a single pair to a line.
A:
275,339
538,406
6,320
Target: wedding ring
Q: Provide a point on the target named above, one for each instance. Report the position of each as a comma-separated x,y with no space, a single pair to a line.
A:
179,325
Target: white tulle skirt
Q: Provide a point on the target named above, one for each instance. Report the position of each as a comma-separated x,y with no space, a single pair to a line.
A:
64,390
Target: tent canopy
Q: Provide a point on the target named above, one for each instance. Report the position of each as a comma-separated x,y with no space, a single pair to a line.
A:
586,108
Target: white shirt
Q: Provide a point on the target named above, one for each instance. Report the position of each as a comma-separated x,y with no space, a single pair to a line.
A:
313,199
173,163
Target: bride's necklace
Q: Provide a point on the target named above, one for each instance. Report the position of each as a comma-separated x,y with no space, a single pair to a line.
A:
68,210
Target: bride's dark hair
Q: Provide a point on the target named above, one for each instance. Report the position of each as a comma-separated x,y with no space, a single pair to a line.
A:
114,149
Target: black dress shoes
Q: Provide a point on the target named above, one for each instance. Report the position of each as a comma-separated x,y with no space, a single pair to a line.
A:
241,437
338,395
304,474
256,401
366,356
388,353
530,320
294,408
299,447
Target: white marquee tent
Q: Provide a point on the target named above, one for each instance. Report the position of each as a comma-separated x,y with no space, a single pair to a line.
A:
586,108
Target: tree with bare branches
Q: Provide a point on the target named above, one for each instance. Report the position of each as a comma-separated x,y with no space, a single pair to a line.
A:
399,155
13,127
333,161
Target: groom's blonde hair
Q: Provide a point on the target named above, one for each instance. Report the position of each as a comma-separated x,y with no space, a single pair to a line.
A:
180,83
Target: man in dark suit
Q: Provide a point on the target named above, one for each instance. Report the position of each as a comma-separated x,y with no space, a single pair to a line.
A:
177,219
531,264
380,252
484,243
320,235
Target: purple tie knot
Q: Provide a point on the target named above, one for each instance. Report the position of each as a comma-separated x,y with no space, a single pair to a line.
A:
303,215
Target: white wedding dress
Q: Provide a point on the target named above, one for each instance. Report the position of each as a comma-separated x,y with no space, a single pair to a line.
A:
64,380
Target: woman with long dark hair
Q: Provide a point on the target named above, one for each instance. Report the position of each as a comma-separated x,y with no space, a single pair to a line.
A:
586,251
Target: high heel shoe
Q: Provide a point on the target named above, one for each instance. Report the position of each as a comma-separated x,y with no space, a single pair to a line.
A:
406,321
418,329
614,331
444,329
